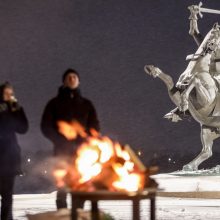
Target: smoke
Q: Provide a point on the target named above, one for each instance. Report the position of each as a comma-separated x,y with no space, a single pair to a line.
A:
37,174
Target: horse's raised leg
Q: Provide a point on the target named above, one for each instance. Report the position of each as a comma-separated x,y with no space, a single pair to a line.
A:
207,138
206,93
167,79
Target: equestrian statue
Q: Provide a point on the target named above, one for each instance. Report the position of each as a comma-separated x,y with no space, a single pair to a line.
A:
197,91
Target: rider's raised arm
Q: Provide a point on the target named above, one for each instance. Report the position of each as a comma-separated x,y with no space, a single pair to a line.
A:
194,31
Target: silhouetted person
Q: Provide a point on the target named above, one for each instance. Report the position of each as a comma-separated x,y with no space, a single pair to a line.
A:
67,106
12,121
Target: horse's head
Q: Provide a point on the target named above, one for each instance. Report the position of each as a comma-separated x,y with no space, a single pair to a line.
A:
212,44
200,61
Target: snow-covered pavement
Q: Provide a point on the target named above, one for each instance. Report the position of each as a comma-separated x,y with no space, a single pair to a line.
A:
167,208
197,198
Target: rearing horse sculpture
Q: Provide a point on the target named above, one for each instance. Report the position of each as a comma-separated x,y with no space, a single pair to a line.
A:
198,88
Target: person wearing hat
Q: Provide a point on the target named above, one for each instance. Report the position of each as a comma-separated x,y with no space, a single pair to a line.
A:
12,120
68,106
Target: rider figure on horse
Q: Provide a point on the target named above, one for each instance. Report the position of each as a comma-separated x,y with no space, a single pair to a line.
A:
209,62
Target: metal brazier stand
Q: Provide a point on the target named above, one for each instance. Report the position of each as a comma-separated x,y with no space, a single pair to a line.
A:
94,197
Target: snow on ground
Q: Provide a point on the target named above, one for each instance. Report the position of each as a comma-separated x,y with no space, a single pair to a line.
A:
191,197
167,208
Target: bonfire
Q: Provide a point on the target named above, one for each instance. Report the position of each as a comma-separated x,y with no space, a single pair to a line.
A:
100,164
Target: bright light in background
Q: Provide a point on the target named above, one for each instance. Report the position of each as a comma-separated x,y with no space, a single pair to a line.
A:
139,153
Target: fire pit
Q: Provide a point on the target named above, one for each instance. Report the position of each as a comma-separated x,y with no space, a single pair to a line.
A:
103,169
94,197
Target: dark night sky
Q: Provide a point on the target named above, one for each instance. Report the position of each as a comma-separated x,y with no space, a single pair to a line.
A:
108,42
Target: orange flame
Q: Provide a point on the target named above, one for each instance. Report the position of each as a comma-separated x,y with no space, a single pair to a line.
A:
59,174
71,130
100,161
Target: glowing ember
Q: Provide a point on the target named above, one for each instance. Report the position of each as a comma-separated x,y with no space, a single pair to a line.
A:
59,174
100,163
129,182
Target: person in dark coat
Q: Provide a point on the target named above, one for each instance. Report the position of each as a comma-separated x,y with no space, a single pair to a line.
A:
69,105
12,120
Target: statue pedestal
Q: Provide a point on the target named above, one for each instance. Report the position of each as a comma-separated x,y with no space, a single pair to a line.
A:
181,185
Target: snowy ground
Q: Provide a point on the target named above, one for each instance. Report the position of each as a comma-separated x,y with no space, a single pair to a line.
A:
167,208
186,196
190,185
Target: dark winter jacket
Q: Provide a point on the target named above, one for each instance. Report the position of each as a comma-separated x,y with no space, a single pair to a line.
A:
12,120
67,106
